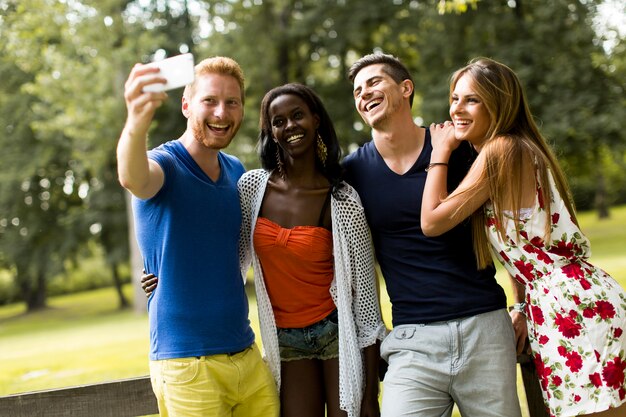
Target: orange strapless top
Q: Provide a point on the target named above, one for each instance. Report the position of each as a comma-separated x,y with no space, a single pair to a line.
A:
298,267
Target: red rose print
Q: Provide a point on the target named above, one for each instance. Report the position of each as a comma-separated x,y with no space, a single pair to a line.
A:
543,339
617,332
537,315
584,283
562,248
595,379
556,380
555,218
622,393
537,241
529,248
491,221
562,351
573,314
576,398
576,299
543,372
523,234
526,269
504,256
613,373
605,310
573,270
567,326
589,312
597,355
540,197
543,257
574,362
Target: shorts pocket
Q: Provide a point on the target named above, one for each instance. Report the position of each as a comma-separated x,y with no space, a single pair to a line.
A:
328,333
180,371
404,332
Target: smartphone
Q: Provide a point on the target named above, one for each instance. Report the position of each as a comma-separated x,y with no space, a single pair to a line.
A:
177,70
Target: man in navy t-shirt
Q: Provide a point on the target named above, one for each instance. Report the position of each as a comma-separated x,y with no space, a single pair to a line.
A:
453,340
203,360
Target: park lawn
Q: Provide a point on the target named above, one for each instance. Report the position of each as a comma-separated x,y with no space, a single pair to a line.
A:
84,338
80,339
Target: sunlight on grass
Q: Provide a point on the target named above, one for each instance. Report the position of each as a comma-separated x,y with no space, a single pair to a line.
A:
83,338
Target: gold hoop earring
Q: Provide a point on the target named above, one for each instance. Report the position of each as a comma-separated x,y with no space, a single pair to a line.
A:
279,163
321,150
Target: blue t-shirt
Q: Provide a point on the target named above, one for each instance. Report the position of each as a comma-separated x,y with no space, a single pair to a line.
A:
428,279
188,234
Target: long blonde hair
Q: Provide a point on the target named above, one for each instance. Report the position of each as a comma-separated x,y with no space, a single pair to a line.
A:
513,143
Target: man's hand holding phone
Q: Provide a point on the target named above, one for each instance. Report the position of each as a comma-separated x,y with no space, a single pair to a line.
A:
145,88
177,72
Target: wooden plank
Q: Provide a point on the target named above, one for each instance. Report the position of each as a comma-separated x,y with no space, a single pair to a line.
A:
134,397
534,397
123,398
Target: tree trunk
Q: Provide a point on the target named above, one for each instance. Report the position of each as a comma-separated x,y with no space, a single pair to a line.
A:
35,293
600,197
118,287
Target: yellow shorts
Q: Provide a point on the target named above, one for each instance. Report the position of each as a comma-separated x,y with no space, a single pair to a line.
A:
233,385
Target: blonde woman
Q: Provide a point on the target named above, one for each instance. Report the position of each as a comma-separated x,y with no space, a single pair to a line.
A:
522,211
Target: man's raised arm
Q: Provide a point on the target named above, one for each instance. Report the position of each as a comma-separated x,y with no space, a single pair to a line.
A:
139,175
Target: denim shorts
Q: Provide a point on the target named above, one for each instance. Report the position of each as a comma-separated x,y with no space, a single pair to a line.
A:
317,341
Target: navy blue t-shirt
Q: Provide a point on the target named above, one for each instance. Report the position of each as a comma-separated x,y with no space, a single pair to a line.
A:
428,279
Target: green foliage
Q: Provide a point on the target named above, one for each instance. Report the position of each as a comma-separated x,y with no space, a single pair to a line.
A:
64,63
8,290
60,188
89,273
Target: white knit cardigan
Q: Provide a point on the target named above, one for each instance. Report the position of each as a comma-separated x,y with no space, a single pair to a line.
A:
353,288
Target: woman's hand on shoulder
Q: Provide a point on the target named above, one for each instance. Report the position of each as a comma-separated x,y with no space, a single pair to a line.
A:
442,137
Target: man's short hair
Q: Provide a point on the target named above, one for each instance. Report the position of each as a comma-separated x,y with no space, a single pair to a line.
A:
392,66
218,65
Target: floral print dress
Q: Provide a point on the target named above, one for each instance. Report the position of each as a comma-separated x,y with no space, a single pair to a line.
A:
576,312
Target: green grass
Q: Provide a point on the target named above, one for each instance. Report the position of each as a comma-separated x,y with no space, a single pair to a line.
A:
83,338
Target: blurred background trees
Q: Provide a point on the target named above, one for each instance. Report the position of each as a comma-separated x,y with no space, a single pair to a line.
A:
63,64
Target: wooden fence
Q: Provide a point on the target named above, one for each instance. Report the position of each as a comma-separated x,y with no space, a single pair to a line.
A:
134,397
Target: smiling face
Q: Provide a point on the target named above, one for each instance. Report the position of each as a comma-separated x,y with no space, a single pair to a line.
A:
294,126
469,113
214,111
377,96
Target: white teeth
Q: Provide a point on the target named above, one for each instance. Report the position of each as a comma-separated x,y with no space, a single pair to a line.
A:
216,126
461,122
294,138
372,104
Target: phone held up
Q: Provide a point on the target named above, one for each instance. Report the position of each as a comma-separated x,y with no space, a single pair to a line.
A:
177,70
